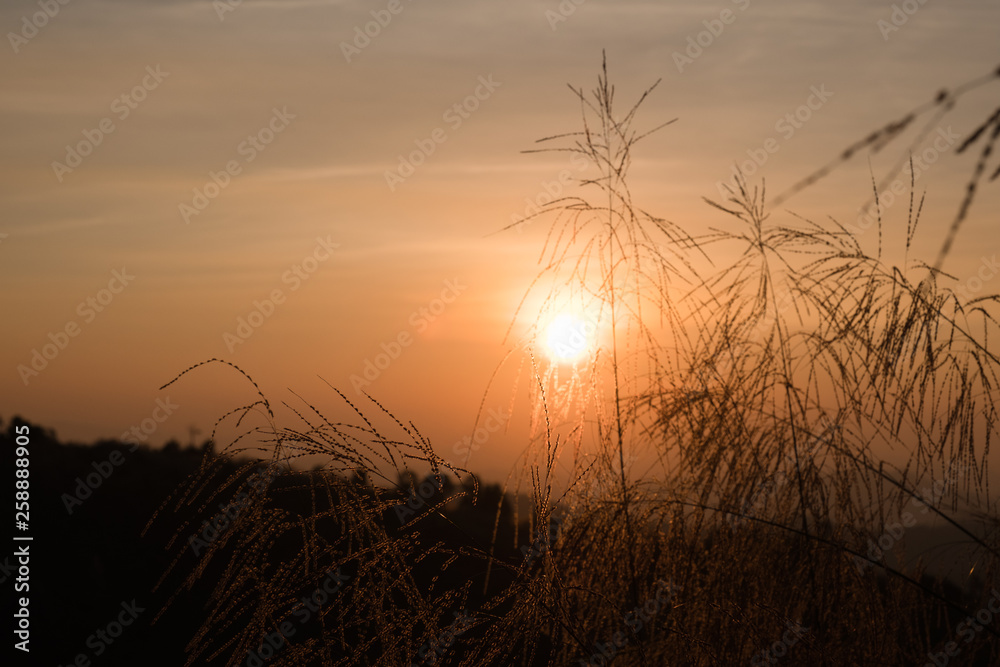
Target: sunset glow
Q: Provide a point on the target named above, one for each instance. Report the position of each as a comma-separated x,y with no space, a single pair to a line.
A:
538,333
310,205
569,338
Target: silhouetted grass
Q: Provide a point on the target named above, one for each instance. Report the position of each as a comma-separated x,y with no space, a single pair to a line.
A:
789,410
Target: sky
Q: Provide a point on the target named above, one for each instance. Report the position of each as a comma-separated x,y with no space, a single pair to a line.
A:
299,187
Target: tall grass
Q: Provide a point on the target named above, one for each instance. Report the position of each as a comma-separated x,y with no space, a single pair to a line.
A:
758,427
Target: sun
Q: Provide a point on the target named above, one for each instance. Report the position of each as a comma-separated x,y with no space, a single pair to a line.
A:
568,338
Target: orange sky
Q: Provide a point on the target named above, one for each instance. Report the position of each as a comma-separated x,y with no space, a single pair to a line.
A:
299,120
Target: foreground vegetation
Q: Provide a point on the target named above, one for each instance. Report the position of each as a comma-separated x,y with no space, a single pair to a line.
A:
746,452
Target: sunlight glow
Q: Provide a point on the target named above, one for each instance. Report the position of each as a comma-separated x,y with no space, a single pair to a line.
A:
568,338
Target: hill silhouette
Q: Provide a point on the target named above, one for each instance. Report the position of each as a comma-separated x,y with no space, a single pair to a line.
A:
94,562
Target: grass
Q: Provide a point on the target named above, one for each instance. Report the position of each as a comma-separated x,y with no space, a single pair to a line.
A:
791,410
